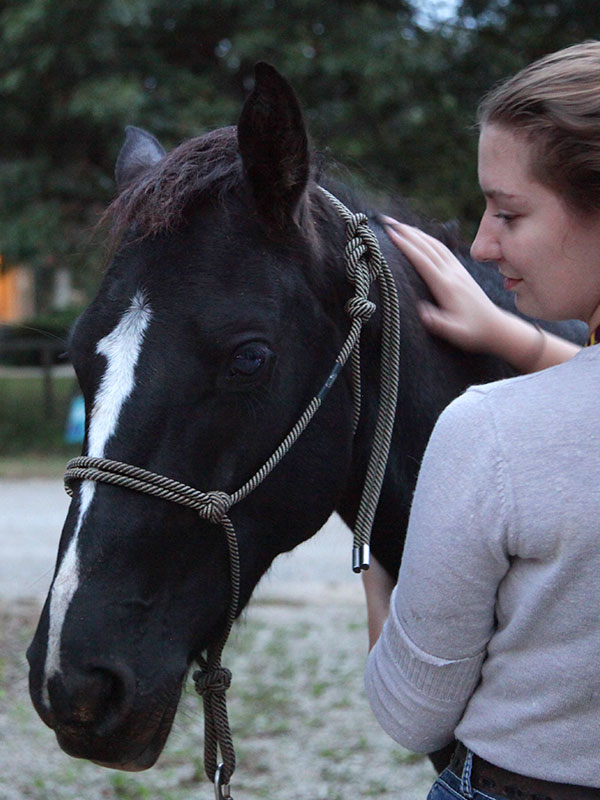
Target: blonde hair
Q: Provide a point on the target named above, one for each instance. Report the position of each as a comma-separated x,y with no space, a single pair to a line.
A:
555,104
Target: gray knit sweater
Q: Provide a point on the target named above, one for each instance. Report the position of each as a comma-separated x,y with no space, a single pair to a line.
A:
494,627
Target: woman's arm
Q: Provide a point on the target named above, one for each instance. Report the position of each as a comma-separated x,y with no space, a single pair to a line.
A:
427,661
378,588
465,315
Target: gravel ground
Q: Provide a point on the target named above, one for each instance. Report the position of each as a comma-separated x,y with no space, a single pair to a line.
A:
301,724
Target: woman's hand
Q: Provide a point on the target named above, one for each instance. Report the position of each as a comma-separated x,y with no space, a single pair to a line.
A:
378,588
464,313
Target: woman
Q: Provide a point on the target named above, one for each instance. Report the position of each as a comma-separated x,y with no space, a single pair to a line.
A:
492,636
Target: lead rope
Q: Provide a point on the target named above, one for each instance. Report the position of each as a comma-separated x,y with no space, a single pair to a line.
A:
362,250
365,263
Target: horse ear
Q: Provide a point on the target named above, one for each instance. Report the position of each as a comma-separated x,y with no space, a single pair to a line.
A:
140,151
274,147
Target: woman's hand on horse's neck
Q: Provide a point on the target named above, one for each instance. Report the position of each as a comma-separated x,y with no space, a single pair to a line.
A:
464,314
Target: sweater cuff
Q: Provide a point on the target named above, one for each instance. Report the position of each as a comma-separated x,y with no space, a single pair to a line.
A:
450,680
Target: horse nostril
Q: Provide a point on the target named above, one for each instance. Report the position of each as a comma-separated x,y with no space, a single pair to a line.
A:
96,697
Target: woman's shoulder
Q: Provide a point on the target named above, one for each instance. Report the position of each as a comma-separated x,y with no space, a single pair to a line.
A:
568,383
515,409
524,420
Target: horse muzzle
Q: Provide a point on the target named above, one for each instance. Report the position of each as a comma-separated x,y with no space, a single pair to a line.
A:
97,714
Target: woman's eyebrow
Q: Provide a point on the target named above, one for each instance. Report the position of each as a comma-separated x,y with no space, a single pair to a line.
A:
499,194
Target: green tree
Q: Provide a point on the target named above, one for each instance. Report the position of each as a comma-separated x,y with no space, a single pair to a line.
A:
385,92
74,73
491,40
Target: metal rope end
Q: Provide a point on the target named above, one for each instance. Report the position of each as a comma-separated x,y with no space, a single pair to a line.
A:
361,557
221,790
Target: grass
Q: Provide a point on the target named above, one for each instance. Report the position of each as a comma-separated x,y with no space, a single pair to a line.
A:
290,743
35,465
31,445
127,788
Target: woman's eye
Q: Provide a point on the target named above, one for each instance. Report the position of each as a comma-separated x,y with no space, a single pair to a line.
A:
507,218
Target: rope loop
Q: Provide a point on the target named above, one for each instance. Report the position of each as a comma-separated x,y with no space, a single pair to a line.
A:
212,682
214,506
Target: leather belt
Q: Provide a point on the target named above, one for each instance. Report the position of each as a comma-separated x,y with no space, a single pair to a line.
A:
488,777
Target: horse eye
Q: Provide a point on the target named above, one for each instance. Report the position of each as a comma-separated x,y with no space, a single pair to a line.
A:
248,364
248,361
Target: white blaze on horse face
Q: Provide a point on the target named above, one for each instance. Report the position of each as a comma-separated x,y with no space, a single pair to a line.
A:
121,349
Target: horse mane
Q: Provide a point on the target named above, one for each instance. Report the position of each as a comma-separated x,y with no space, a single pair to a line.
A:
208,167
201,167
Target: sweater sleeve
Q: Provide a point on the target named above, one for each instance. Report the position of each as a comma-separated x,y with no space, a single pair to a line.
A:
427,661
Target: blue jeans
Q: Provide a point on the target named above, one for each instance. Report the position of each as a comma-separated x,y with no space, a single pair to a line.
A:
452,787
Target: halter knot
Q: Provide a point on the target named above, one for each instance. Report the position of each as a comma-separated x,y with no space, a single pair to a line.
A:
362,246
212,682
214,506
360,308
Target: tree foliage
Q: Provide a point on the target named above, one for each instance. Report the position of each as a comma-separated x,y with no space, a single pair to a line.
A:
390,97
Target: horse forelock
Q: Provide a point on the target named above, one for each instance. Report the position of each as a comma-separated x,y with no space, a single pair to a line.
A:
205,167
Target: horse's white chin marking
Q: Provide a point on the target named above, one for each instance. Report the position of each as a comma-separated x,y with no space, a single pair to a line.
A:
122,349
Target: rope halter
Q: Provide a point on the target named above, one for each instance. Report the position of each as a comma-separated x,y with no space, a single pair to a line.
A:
365,264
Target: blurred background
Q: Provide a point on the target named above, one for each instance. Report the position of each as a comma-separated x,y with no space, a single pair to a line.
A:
389,90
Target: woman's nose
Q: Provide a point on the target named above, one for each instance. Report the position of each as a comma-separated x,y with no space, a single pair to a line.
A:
485,246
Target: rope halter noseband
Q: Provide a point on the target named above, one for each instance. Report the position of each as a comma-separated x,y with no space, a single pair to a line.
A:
364,265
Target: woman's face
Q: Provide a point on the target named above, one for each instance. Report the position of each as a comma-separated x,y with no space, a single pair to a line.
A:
549,256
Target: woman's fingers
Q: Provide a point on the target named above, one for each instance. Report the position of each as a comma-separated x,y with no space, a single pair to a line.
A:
400,233
446,277
429,244
439,254
428,262
445,324
424,261
414,249
464,312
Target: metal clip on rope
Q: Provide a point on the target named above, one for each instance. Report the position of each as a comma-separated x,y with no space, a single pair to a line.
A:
221,789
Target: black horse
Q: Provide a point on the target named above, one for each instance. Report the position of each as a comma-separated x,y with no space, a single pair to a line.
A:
219,317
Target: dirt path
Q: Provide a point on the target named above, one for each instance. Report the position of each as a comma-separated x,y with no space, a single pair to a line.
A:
302,727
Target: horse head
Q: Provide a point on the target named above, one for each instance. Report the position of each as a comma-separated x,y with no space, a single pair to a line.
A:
219,317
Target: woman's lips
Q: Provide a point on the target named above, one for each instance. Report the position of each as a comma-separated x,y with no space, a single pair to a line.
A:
510,283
